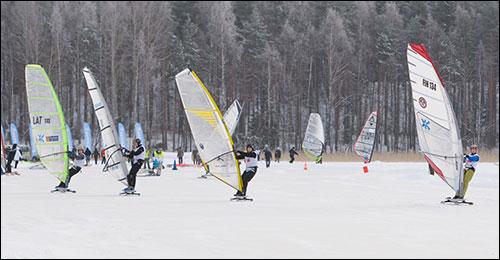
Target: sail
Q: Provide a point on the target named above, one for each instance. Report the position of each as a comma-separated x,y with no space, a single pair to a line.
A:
232,116
437,128
365,143
47,122
314,138
122,135
139,133
14,134
87,136
115,162
70,138
211,136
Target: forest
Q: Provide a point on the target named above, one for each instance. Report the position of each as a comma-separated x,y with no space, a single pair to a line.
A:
282,61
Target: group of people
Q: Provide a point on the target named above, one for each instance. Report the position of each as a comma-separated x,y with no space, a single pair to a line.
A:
156,161
277,155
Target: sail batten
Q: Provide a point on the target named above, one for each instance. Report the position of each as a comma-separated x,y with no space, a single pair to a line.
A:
437,128
115,162
47,122
211,135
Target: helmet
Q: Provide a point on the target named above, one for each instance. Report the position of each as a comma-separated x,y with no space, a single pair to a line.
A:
473,146
138,141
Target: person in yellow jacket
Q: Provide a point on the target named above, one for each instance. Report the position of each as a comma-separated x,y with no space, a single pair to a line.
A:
146,159
158,158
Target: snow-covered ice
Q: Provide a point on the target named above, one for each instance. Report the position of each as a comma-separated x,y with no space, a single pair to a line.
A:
330,211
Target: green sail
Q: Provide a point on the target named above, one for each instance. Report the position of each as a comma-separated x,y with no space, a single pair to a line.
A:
47,122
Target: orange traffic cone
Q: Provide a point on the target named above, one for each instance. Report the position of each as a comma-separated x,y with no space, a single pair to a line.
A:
305,166
365,168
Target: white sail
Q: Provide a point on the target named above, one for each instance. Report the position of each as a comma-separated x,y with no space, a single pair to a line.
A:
115,162
437,128
210,133
366,140
232,116
314,138
47,122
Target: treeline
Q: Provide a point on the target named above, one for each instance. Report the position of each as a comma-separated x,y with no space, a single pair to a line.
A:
281,60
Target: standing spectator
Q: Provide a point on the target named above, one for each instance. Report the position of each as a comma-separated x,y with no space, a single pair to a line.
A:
103,156
267,155
277,155
180,154
292,154
88,153
96,155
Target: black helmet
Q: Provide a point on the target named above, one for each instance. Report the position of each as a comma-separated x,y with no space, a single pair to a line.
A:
138,141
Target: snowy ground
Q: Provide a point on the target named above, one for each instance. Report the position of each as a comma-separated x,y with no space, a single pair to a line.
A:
330,211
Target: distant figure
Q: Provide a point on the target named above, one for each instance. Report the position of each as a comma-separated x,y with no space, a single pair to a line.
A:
146,159
158,156
319,160
194,155
87,153
78,161
267,155
180,154
96,155
292,154
17,156
103,156
277,155
10,157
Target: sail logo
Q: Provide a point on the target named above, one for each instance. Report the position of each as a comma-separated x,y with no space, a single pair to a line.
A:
425,124
41,138
422,102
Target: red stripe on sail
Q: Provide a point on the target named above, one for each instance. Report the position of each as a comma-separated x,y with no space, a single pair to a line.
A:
420,49
435,168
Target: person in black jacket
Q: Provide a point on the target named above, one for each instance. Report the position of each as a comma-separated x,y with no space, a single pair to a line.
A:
10,157
137,156
267,155
277,155
292,154
250,158
96,155
88,153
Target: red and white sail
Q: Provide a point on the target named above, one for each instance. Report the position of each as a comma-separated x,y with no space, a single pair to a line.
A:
437,127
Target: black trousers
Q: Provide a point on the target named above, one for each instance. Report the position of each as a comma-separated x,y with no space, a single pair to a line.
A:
146,163
293,159
247,177
132,175
15,165
180,160
8,167
103,161
72,171
268,162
